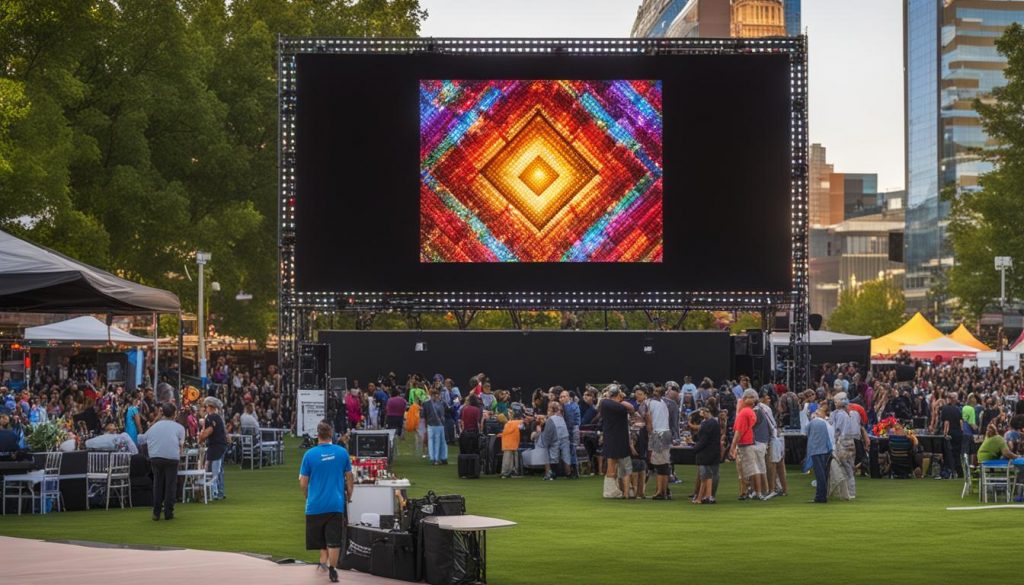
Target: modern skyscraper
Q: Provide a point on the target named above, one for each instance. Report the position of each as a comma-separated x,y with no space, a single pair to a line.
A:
819,174
791,9
716,18
950,59
757,18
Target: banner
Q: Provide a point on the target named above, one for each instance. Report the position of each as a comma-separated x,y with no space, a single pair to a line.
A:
311,410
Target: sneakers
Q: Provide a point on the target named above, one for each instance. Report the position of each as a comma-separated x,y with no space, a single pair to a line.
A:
332,574
549,477
767,497
660,497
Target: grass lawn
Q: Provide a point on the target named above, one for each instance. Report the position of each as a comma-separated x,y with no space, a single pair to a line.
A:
896,531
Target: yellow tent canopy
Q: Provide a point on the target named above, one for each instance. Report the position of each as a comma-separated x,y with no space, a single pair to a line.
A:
964,336
914,332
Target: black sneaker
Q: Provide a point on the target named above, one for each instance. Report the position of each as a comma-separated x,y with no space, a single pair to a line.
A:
168,516
332,574
659,497
156,517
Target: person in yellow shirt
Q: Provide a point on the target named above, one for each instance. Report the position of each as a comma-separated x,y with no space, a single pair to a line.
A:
510,436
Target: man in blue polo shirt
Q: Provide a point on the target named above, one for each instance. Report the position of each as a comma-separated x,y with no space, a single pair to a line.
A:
326,479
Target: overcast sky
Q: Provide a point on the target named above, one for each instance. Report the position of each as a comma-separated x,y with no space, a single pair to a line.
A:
856,63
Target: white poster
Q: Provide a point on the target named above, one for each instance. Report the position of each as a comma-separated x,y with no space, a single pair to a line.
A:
311,411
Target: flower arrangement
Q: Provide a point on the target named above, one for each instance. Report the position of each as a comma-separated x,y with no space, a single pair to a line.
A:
890,426
46,436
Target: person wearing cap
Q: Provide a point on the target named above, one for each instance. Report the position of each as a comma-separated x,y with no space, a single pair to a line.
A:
573,417
216,438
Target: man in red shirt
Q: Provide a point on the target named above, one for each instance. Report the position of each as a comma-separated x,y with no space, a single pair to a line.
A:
743,446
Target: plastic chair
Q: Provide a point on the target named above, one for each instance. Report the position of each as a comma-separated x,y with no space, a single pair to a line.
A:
97,470
119,478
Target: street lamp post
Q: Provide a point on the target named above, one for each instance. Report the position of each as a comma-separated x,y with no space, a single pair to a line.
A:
201,259
1003,263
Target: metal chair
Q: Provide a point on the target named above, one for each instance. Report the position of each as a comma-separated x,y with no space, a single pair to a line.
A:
119,478
995,476
251,452
49,487
97,470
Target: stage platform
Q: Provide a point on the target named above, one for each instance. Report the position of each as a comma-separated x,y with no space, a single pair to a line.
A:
29,562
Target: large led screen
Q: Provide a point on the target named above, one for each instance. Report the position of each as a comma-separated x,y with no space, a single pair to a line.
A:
540,171
501,172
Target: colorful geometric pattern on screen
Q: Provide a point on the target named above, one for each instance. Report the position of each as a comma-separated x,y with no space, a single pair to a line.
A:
541,171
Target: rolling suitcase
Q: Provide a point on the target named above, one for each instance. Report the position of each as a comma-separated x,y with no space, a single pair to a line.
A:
469,466
380,552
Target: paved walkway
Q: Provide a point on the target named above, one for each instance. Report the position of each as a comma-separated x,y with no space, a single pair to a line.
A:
29,562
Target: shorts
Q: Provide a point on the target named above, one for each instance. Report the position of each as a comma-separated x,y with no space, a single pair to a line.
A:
325,530
559,452
706,472
623,467
751,460
638,465
661,468
776,450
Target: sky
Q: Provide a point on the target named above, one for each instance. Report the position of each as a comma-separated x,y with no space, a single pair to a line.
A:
855,60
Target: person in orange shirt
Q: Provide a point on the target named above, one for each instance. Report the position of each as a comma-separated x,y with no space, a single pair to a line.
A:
510,440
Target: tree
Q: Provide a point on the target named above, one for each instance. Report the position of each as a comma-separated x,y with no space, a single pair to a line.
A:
873,308
133,133
986,223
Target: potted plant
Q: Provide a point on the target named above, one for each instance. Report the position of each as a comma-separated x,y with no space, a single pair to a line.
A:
47,436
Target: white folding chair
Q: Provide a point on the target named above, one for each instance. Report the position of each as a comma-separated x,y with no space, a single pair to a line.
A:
269,446
96,472
251,451
196,476
49,488
19,487
119,478
995,476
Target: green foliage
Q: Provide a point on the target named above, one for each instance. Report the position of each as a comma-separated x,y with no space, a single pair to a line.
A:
745,321
873,308
45,436
133,133
986,223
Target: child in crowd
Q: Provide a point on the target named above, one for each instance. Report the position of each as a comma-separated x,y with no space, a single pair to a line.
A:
510,438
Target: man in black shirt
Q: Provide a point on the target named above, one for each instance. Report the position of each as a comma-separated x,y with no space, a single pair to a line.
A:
952,419
615,413
216,444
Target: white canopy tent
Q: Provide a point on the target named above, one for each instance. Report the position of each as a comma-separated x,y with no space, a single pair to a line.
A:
83,330
818,337
943,346
1009,359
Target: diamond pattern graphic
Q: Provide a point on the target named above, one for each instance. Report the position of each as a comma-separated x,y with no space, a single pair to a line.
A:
540,171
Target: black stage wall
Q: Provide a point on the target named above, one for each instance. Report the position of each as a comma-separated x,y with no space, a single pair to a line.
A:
531,360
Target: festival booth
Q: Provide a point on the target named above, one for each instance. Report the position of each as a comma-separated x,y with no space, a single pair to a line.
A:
916,331
941,349
38,280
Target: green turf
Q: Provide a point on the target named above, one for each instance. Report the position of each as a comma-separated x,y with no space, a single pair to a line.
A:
896,531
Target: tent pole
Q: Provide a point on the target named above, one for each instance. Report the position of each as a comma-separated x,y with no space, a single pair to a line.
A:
181,346
156,350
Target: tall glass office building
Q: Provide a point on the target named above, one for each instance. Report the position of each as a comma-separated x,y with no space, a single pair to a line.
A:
791,10
949,60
